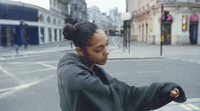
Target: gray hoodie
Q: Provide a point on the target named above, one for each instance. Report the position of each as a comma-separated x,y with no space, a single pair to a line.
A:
85,89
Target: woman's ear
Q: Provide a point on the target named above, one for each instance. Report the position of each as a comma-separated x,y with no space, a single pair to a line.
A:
80,51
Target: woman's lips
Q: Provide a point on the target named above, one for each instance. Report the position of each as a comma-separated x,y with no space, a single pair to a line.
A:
105,59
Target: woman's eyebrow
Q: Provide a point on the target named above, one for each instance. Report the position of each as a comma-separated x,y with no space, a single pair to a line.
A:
99,46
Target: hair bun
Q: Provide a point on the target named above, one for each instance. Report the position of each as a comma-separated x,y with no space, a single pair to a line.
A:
69,32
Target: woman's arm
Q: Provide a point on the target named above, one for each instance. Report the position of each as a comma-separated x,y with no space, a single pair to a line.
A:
152,97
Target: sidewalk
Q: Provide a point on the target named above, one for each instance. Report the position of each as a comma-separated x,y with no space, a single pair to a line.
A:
142,51
35,49
137,51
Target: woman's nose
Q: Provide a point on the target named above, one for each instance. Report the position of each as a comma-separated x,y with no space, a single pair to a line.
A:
107,52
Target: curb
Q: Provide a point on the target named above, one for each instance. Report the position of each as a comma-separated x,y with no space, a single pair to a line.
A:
134,58
7,57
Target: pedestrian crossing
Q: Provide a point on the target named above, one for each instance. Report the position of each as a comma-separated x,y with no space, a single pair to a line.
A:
192,60
190,105
181,107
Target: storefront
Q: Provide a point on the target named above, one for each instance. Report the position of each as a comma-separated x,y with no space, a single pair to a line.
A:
12,34
14,27
166,27
193,29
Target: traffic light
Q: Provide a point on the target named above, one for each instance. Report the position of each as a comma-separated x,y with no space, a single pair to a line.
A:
166,15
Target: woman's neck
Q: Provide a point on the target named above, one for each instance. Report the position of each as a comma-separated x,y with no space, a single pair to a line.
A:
86,62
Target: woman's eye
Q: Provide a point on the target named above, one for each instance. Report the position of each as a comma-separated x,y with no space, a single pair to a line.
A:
98,50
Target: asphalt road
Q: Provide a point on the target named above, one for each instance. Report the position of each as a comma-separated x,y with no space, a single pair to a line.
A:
30,83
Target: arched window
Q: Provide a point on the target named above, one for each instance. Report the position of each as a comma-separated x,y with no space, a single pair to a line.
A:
59,21
54,21
48,19
41,18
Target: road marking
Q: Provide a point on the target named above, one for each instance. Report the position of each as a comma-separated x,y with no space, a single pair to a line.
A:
127,73
192,61
13,76
19,63
50,61
28,72
2,58
185,107
47,65
29,62
132,59
191,100
24,56
23,86
6,89
113,40
193,106
40,70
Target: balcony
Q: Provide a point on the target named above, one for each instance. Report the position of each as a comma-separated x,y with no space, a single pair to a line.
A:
178,1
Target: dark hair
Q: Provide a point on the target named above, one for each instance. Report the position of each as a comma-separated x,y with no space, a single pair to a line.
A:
80,32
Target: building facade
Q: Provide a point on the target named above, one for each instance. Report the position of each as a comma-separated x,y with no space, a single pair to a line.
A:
101,19
181,27
74,11
22,23
115,19
110,23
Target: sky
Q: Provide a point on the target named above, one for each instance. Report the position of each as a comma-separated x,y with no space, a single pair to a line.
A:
104,5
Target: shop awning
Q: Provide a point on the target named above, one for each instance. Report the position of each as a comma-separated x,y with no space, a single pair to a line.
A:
194,18
169,17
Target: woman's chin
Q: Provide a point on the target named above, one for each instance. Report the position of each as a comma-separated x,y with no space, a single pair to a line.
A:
103,62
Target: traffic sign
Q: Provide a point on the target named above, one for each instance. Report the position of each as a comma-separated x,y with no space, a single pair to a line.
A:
126,16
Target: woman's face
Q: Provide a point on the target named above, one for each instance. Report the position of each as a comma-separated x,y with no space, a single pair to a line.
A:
97,48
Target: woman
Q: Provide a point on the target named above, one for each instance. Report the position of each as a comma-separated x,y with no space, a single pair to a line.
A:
85,86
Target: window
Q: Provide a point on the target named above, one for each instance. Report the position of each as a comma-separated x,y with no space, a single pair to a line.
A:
41,18
55,34
54,21
42,35
59,22
49,20
75,7
144,2
49,31
79,15
184,0
60,35
69,9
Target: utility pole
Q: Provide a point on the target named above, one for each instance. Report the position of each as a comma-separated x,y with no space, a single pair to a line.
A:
161,28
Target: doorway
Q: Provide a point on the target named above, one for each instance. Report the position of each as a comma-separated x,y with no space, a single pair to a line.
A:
8,36
146,33
193,33
167,34
50,38
142,33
